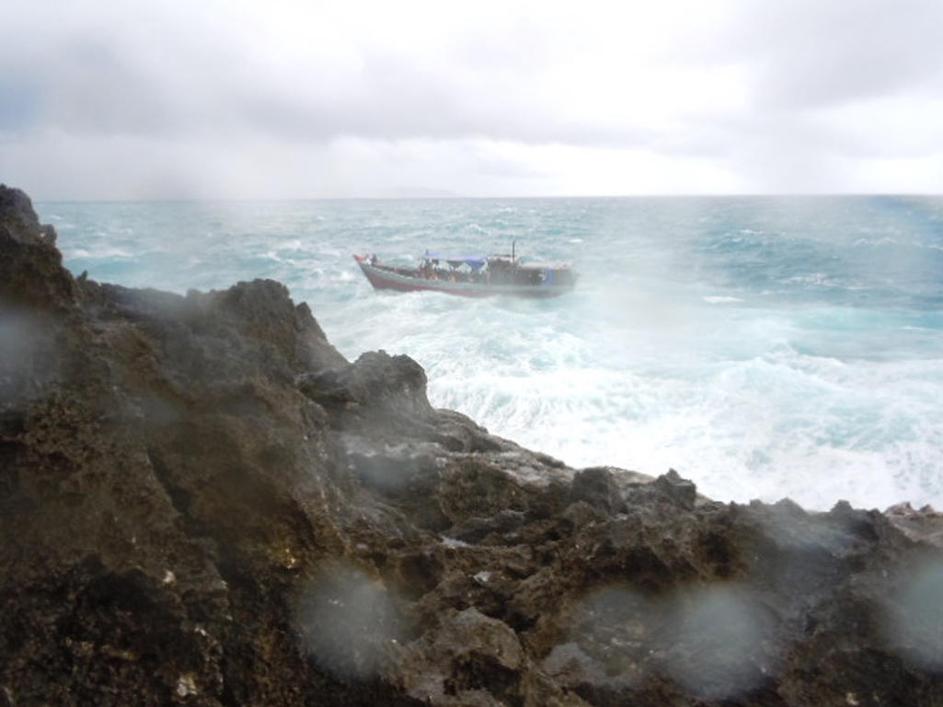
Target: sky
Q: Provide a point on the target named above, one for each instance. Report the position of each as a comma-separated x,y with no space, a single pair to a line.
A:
306,99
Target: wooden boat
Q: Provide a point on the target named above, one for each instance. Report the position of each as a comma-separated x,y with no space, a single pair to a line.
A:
471,276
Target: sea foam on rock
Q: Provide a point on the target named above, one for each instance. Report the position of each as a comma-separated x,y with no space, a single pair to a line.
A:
203,502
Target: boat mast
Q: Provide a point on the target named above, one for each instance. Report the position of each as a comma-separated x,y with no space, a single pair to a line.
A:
513,243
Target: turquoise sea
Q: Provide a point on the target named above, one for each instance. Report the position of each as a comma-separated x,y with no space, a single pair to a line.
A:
764,347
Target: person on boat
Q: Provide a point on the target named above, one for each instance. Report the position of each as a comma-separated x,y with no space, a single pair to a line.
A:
373,258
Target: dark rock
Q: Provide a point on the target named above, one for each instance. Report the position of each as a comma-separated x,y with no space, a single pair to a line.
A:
18,217
597,488
924,525
31,272
681,491
202,502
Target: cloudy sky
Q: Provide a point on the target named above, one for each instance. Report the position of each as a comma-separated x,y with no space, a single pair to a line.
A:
284,99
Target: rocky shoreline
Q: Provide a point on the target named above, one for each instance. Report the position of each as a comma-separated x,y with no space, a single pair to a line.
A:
202,502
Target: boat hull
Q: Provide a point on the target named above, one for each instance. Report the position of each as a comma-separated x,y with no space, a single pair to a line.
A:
385,279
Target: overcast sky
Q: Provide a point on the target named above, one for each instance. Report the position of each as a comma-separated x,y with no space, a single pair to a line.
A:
281,99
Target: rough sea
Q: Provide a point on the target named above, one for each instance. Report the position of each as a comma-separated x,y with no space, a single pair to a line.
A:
763,347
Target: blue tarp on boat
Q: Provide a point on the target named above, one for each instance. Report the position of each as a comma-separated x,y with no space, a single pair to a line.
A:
475,262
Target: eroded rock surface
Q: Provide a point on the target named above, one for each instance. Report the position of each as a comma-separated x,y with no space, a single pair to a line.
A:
202,502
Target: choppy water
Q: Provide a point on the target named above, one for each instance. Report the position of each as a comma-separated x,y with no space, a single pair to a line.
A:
763,347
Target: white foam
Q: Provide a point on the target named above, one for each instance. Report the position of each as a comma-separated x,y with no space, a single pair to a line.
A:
107,253
779,423
720,299
650,364
647,376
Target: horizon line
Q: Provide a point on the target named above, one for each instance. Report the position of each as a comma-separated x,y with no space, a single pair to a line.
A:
463,197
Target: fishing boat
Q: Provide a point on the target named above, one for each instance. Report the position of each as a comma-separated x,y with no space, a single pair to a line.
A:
471,276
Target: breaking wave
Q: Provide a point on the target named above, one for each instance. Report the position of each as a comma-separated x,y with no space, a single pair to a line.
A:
763,347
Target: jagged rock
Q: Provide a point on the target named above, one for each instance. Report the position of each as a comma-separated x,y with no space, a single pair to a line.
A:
681,491
202,502
18,218
597,488
469,659
924,525
31,272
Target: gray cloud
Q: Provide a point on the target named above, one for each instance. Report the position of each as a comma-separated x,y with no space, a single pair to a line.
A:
94,87
809,54
762,95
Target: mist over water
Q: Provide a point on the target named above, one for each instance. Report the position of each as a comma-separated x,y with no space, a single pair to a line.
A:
764,347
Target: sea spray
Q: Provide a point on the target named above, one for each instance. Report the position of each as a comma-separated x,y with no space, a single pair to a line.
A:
764,347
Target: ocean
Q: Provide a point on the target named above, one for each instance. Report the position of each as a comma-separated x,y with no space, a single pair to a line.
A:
765,347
